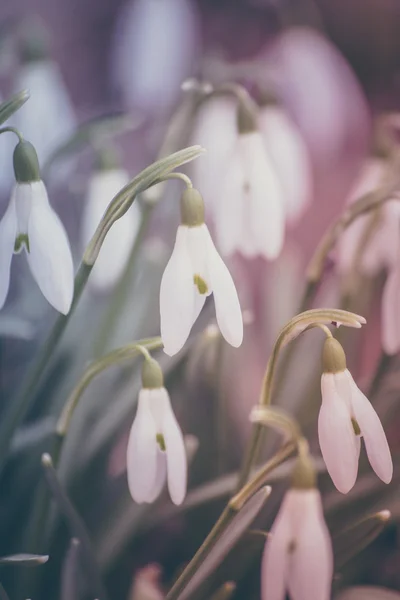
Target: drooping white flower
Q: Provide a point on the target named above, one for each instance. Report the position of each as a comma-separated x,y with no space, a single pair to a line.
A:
346,415
290,158
48,118
194,271
155,50
115,251
31,224
156,449
250,214
298,556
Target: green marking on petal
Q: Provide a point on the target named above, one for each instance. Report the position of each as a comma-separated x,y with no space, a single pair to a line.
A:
161,442
200,284
20,241
356,427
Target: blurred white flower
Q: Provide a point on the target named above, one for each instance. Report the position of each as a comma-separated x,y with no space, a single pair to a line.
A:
194,271
115,251
298,553
156,450
155,49
290,158
346,415
30,223
381,252
48,118
250,214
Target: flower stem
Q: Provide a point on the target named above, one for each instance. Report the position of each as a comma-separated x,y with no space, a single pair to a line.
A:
21,402
13,130
114,308
234,505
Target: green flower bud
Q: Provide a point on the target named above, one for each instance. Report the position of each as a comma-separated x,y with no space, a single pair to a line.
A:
333,357
26,163
192,208
152,375
304,476
247,116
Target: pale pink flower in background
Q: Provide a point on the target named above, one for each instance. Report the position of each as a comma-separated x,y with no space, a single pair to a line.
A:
346,415
194,271
155,48
216,130
147,584
382,252
31,224
115,251
298,553
156,450
290,158
250,212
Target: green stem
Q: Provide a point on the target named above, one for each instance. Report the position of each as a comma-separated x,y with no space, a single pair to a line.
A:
13,130
234,505
121,291
20,404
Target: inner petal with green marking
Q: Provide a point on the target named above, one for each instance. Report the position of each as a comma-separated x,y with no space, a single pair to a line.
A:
20,241
200,284
161,442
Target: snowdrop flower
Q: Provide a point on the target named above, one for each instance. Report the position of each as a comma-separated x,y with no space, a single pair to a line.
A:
156,450
290,158
346,415
48,118
115,251
252,196
194,271
155,50
298,554
31,224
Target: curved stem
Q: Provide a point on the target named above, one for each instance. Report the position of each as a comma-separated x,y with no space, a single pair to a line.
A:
13,130
180,176
300,323
110,359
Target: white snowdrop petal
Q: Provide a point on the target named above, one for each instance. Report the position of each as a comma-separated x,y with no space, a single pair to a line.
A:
290,158
160,476
116,248
275,560
227,306
338,442
50,258
175,451
266,204
373,433
311,565
8,230
391,313
229,208
23,203
142,452
177,296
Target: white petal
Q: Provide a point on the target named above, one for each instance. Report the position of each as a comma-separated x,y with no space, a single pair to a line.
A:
175,450
391,312
177,296
160,477
373,433
48,118
337,440
50,257
275,561
266,204
142,452
227,306
290,157
116,248
311,564
23,204
196,246
229,208
8,230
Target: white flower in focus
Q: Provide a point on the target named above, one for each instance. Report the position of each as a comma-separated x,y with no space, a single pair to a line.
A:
194,271
346,415
115,251
298,556
290,158
31,224
155,50
156,449
48,118
250,214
